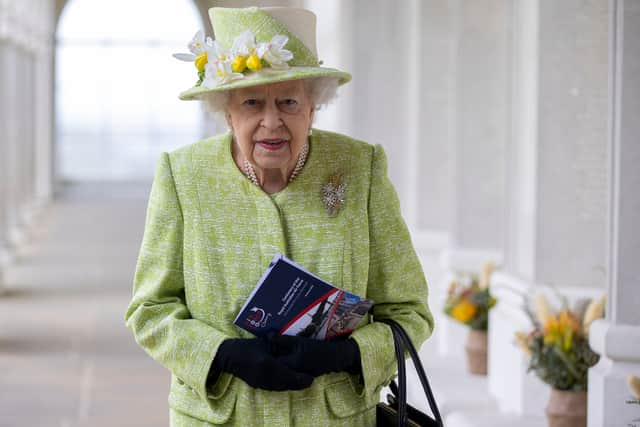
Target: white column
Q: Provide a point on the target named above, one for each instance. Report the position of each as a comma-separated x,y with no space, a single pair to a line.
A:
42,109
19,141
380,32
4,120
18,93
9,38
481,70
617,339
413,107
4,101
46,90
435,125
15,128
481,118
26,114
28,140
44,122
430,153
28,67
556,193
10,69
28,18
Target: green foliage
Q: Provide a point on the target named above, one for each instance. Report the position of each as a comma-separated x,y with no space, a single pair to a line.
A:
470,303
561,368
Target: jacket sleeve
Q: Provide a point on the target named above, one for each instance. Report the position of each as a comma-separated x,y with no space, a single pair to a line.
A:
157,314
396,283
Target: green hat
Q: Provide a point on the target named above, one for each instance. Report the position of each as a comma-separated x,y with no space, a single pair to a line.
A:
256,46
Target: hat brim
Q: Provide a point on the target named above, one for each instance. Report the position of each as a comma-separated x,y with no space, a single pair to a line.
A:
266,76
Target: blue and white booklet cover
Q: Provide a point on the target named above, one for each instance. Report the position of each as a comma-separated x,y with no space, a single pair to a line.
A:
290,300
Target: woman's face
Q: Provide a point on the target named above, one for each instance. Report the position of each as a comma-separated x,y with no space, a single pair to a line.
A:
271,123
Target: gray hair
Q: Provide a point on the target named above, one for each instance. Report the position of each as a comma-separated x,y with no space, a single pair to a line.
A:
321,90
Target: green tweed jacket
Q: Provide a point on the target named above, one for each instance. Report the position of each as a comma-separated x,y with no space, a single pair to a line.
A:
210,233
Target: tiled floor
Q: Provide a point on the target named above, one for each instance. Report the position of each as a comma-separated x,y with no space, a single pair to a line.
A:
66,358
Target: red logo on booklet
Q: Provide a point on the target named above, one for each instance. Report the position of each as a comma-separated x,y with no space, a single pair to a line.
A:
258,318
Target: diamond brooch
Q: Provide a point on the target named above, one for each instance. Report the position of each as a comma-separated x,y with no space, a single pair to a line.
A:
333,193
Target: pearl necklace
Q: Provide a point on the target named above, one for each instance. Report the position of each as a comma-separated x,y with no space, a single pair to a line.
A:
302,158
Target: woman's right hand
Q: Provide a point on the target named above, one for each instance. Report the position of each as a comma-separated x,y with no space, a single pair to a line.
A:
250,360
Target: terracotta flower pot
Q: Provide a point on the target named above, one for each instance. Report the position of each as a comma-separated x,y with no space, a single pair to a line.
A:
476,348
567,408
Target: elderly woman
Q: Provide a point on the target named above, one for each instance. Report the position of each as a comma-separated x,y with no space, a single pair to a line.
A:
221,208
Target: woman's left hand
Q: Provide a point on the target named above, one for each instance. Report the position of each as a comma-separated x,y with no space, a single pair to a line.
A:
315,357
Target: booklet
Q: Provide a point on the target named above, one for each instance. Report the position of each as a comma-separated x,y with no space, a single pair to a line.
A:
293,301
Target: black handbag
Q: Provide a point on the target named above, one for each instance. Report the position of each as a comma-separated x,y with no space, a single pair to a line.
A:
396,412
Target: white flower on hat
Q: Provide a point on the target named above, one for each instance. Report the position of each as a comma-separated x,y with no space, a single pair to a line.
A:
217,66
246,53
198,47
218,69
244,44
198,44
275,53
217,73
217,52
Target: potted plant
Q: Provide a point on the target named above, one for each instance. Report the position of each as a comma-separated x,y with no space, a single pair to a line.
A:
469,301
560,356
634,386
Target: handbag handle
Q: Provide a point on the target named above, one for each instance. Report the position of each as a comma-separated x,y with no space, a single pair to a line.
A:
421,373
400,340
402,380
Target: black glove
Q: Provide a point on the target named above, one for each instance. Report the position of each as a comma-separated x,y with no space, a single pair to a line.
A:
250,360
316,357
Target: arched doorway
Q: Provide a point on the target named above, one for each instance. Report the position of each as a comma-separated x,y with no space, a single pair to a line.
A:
116,87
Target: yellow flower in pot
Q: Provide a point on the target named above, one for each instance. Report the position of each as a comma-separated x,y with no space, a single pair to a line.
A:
469,301
558,347
464,311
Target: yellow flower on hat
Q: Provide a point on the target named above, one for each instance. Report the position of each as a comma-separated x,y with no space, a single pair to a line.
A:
200,61
254,63
198,48
245,52
239,64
